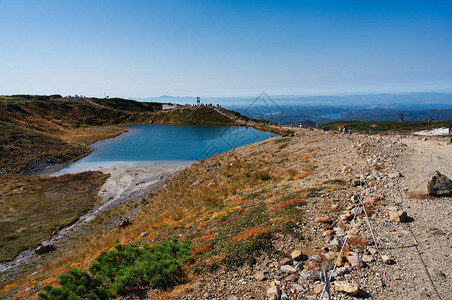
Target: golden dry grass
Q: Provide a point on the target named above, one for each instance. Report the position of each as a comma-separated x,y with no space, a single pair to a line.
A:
33,207
419,196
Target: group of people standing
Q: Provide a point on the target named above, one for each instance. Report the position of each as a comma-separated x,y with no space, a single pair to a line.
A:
343,129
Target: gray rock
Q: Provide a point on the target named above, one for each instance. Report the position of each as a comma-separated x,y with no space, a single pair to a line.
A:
298,287
355,261
440,185
436,272
326,265
336,244
284,261
288,269
274,292
284,296
305,275
341,271
435,231
387,260
367,258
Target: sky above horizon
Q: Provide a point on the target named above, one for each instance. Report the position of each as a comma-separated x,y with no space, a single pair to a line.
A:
224,48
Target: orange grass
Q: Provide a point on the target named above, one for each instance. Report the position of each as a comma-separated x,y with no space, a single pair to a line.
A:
250,233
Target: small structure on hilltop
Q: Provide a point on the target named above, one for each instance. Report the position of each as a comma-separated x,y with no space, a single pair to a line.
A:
168,106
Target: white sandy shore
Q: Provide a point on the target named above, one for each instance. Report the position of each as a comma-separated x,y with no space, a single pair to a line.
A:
436,131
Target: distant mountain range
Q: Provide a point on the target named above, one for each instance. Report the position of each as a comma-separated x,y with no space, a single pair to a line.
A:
324,109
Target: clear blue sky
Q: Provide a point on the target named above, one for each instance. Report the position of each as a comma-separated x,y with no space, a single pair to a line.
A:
224,48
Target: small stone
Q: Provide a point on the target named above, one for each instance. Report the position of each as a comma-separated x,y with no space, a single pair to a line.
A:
436,272
330,255
339,232
435,231
336,244
387,260
297,255
292,278
347,216
274,291
355,261
328,232
261,275
346,287
298,287
326,226
372,250
397,216
233,297
284,296
367,258
305,275
318,288
288,269
326,265
335,208
284,261
341,271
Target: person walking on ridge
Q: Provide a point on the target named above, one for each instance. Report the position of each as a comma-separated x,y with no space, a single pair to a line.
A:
450,131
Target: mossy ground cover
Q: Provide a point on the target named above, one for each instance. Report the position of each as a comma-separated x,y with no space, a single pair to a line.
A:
33,207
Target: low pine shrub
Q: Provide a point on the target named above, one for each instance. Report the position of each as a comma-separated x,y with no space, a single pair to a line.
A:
123,270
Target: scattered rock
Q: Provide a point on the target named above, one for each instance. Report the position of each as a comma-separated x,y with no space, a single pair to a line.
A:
292,278
124,223
41,249
318,288
440,185
261,275
288,269
346,287
436,272
387,260
297,255
435,231
274,292
341,271
355,261
284,261
326,265
398,216
210,167
298,287
367,258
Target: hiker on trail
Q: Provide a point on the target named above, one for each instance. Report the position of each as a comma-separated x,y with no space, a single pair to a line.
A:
339,129
450,131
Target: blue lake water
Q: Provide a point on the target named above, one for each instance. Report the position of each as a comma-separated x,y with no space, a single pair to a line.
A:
165,145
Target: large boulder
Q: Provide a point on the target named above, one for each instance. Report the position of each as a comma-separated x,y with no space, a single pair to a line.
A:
440,185
41,249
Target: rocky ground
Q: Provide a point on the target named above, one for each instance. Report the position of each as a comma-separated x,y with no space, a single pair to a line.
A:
383,177
389,176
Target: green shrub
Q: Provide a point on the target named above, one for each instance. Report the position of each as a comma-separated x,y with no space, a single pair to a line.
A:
122,270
